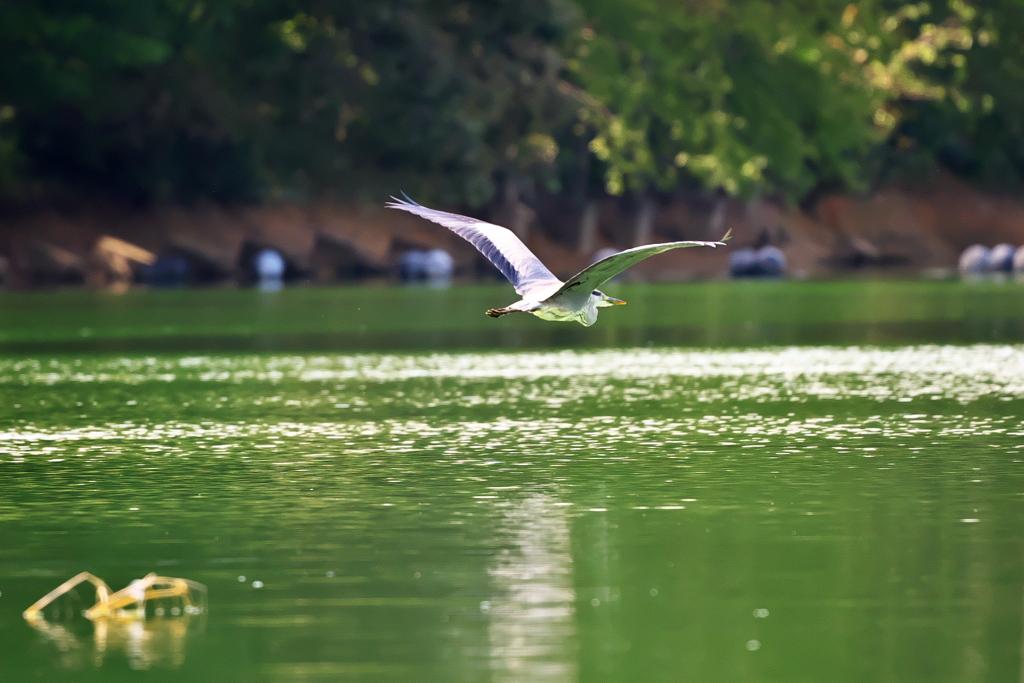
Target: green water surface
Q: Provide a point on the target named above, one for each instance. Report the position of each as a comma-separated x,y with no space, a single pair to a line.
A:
745,313
549,509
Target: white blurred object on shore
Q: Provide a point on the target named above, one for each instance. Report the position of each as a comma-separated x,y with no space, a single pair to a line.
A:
973,261
270,268
1000,258
768,261
438,266
1018,265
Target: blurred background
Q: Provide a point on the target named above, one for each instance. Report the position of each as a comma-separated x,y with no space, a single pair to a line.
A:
188,142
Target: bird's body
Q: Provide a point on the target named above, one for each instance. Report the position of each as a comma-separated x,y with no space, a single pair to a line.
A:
568,307
544,295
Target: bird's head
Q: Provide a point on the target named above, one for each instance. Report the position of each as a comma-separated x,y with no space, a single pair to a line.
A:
603,300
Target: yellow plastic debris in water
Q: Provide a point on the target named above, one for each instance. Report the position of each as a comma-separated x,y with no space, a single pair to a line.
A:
149,621
187,597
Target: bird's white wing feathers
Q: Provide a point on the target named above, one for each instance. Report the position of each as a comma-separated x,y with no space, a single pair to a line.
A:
500,245
594,276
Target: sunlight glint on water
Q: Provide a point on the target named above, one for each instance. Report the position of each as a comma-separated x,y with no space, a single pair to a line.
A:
541,516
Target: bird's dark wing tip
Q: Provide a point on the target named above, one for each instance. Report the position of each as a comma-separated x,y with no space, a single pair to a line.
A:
397,203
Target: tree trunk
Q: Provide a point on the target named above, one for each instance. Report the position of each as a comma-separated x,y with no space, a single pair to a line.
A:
716,224
643,230
587,242
520,215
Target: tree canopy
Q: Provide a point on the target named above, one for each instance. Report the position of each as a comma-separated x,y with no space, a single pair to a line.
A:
240,100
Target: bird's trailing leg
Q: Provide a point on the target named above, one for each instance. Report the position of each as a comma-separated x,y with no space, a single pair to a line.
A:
523,306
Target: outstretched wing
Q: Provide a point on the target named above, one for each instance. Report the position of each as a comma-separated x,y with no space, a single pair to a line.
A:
500,246
592,277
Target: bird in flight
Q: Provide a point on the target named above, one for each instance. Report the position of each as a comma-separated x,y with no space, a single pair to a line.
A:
543,294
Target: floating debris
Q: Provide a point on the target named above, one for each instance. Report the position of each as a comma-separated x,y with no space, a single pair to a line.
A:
149,621
186,597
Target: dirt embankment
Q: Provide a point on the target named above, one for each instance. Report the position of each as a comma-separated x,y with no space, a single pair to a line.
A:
895,229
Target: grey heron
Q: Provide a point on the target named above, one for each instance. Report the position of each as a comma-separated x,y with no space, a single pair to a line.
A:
543,294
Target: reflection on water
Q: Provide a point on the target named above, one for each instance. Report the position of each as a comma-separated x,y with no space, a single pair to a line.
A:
350,318
531,625
842,514
120,620
553,378
158,642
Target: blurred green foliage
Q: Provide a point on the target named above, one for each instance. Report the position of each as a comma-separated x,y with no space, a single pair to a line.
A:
785,97
241,100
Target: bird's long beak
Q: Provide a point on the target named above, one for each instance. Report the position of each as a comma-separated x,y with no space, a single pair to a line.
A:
613,300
